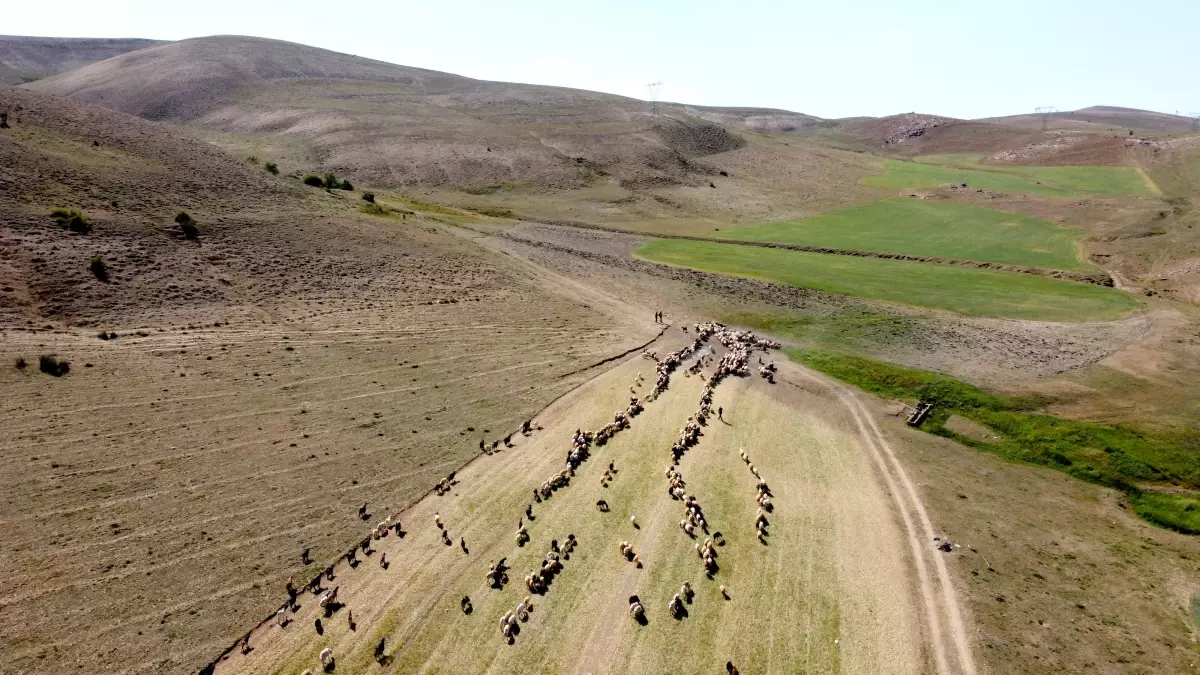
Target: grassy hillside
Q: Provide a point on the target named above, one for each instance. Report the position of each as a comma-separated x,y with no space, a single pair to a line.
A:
969,291
932,228
1050,181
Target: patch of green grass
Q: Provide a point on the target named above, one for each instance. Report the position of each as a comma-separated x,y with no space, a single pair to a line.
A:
375,209
932,228
491,211
1178,512
1053,181
852,329
966,290
1115,456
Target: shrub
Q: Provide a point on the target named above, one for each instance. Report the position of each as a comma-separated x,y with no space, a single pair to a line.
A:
72,220
314,181
331,182
369,197
271,168
107,335
3,120
346,185
252,159
98,268
52,365
375,209
187,224
21,363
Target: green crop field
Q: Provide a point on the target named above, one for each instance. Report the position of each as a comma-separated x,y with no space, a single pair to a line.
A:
966,290
932,228
1053,181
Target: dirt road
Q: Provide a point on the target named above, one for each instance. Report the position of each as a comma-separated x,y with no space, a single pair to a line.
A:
937,589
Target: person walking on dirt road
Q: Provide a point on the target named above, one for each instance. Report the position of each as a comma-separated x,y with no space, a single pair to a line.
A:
720,413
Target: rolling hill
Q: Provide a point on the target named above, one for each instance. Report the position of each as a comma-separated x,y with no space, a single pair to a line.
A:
388,125
1101,118
25,59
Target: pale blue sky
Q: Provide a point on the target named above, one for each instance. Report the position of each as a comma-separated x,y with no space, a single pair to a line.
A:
963,58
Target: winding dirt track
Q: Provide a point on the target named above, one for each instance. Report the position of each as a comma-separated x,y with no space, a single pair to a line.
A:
937,589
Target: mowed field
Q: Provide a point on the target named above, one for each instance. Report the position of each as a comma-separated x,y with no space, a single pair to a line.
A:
966,290
934,171
932,228
828,593
157,496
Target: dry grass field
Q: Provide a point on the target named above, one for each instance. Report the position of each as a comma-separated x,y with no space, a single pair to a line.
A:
829,592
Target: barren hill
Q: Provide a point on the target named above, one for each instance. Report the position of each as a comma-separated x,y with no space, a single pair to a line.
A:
230,413
1101,118
24,59
389,125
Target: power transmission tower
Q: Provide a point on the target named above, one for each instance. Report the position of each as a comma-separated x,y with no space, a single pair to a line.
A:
1045,111
654,88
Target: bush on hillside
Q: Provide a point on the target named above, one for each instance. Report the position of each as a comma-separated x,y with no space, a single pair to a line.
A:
20,364
271,168
314,181
187,224
369,197
99,268
375,209
253,159
332,182
346,185
52,365
3,120
107,335
72,220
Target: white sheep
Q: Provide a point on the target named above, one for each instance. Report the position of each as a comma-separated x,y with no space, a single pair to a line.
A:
326,657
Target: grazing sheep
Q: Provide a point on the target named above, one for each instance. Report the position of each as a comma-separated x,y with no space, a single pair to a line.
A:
675,606
465,604
326,657
633,519
437,520
380,648
636,610
686,591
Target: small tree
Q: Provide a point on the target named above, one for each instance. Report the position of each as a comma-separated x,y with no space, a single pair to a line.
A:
187,224
332,182
72,220
369,197
271,168
3,120
314,181
346,185
99,268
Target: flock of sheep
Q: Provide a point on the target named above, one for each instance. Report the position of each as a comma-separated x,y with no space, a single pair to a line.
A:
739,345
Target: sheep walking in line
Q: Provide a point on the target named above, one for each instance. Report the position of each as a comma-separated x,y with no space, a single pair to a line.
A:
326,658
